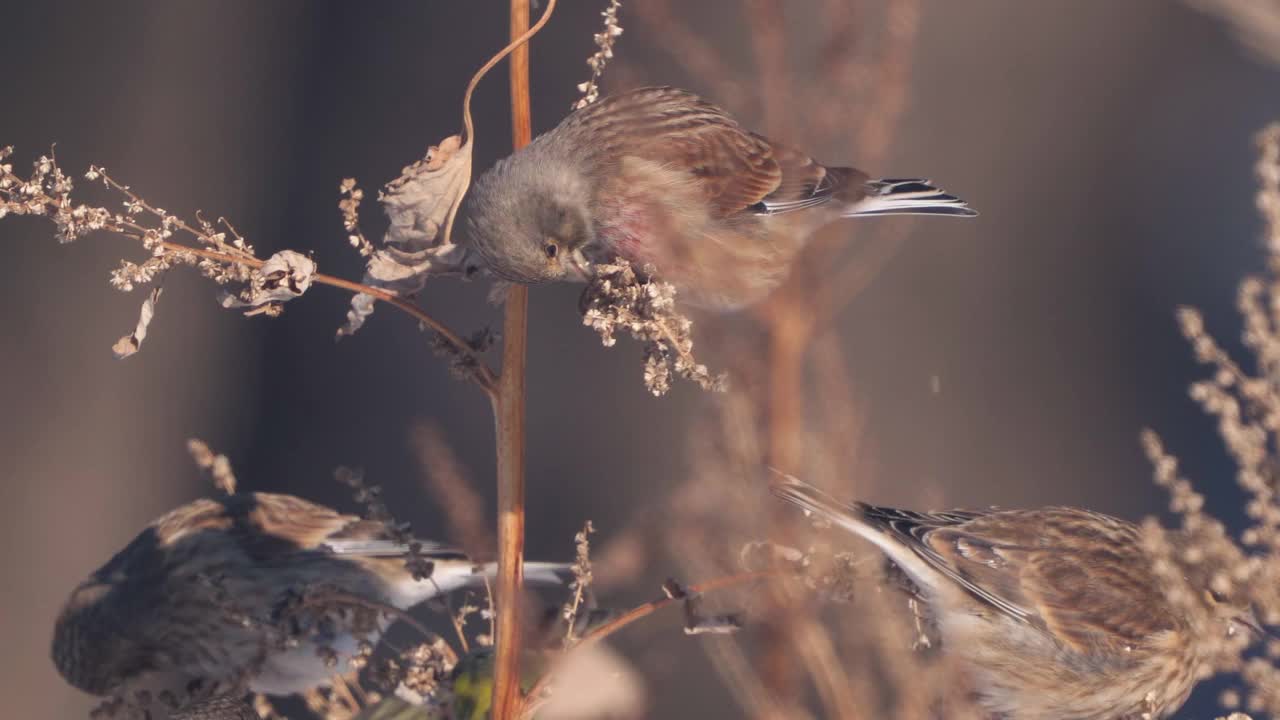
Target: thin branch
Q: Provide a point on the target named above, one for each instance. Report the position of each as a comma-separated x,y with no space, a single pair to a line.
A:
517,43
640,612
485,377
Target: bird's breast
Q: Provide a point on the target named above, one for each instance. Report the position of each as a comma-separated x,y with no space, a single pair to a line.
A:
648,217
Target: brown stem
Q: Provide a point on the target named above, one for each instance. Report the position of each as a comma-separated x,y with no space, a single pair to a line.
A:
768,25
790,330
509,417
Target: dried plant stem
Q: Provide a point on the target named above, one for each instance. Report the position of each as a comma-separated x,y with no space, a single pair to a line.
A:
485,377
509,416
642,611
789,334
788,342
768,25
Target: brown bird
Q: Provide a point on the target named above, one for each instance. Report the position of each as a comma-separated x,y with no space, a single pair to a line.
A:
1058,611
659,176
202,594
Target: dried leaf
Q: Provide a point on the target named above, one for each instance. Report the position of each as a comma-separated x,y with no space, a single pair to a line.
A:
423,201
129,344
421,205
283,277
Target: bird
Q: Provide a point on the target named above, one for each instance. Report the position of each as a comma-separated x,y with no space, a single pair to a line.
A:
1057,612
660,177
205,592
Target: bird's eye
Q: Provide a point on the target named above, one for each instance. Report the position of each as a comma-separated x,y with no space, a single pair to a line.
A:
1215,596
551,249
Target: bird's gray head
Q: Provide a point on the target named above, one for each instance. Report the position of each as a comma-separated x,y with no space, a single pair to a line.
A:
529,217
85,649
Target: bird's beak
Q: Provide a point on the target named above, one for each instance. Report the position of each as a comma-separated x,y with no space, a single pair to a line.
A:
1249,619
578,266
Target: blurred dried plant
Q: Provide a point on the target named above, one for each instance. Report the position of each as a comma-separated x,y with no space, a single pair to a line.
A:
1246,404
617,298
604,40
220,252
856,88
1255,24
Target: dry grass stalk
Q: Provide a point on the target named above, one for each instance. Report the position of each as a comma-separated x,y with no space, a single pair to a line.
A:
1246,404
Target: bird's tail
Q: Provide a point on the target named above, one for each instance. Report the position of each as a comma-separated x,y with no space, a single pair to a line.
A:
819,505
535,573
453,574
907,197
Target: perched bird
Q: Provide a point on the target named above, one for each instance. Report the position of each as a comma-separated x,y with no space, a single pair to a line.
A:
215,592
1057,612
659,176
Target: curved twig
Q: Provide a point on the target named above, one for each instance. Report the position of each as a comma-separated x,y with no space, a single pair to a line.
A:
485,377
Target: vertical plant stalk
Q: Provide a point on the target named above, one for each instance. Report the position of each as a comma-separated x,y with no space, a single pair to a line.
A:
509,415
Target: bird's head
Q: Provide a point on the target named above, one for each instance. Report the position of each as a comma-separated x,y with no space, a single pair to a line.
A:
1233,612
86,651
529,218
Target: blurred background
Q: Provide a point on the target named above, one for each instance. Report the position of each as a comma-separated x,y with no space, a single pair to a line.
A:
1010,360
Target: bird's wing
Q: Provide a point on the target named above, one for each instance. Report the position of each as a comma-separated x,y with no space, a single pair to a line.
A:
1080,576
807,183
370,538
899,533
734,168
392,548
932,537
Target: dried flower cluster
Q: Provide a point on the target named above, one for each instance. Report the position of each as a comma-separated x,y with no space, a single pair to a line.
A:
618,298
349,206
217,465
220,254
1246,405
582,578
604,41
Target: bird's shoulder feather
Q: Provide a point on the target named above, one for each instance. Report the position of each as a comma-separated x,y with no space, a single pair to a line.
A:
269,524
1081,576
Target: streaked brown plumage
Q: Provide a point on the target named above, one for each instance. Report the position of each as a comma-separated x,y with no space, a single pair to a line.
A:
1057,611
659,176
193,595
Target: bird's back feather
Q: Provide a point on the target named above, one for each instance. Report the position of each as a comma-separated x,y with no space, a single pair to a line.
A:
733,167
1078,575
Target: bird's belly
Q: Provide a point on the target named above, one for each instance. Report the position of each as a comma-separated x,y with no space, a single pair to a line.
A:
716,265
1021,674
651,216
307,666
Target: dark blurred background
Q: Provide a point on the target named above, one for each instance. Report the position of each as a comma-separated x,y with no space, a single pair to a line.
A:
1009,360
